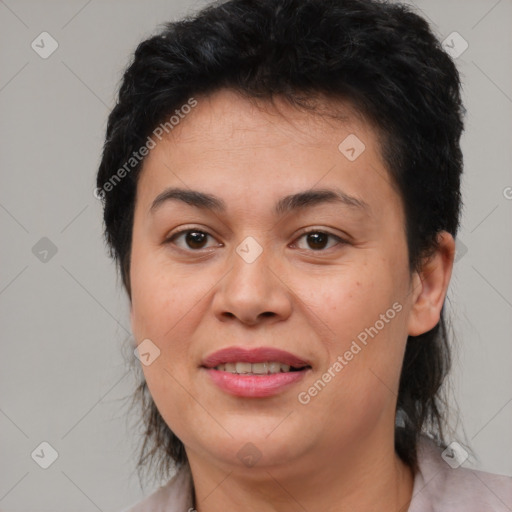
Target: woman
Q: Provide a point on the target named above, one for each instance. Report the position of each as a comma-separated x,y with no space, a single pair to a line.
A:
281,187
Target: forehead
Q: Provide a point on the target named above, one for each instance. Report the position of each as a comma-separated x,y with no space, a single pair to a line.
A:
229,142
246,118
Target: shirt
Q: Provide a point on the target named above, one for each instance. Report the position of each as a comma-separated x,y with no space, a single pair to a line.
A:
437,488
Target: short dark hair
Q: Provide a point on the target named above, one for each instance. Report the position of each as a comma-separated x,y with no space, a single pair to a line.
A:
382,59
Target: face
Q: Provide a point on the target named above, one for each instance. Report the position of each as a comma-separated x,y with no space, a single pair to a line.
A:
322,276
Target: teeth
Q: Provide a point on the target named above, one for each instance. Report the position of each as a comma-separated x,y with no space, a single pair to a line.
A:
274,367
254,368
260,368
230,367
243,367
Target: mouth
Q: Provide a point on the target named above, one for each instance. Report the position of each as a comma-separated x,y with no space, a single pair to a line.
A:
266,368
256,361
256,373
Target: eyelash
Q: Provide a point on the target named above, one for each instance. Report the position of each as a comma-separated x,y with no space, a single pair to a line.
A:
340,241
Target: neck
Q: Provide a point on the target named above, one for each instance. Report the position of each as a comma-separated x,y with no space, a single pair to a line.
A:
369,476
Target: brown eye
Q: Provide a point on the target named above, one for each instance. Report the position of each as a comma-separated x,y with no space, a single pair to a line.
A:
193,239
319,240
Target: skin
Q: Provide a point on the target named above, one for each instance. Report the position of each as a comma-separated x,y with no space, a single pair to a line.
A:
336,452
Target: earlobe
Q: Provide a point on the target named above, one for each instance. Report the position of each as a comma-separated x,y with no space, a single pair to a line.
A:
429,286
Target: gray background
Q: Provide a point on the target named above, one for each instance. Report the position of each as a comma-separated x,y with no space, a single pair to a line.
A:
65,320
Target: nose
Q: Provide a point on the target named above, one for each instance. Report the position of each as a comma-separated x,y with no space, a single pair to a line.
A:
253,292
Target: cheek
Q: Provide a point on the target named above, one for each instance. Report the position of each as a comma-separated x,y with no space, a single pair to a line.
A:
350,299
160,296
366,316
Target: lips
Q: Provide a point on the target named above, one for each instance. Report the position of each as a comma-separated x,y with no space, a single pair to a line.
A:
257,377
255,355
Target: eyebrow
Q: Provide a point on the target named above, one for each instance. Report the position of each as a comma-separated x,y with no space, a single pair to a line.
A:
286,204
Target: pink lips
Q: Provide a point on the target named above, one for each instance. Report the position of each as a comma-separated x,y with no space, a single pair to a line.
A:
254,386
255,355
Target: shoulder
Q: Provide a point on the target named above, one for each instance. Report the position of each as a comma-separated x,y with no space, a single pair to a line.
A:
174,496
440,487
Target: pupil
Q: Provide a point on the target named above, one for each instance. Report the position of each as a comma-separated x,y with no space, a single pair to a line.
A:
195,238
318,240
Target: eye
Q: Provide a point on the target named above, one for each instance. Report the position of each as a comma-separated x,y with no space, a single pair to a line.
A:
194,239
319,240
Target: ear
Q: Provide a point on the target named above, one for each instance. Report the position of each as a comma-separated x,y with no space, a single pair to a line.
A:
429,286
